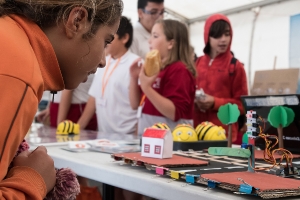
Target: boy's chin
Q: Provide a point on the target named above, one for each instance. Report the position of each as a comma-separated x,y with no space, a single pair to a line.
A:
85,80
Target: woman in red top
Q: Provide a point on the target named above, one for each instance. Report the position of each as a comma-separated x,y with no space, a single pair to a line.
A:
222,78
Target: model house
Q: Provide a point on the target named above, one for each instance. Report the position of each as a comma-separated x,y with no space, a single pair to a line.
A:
157,143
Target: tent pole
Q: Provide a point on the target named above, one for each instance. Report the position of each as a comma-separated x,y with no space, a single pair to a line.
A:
177,15
256,11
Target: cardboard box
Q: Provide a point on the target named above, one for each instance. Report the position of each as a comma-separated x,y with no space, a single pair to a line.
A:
274,82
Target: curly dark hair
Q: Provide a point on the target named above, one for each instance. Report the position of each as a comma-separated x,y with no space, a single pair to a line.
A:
47,13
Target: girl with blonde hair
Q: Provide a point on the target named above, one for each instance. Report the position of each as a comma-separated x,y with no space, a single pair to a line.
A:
169,95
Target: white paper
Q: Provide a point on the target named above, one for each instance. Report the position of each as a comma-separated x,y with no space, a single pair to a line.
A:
78,145
103,143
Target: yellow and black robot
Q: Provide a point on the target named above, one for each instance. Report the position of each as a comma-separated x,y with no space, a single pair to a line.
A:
161,126
209,131
67,131
67,138
67,127
184,133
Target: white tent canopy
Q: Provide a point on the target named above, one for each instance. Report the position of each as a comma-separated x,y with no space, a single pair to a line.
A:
261,28
191,9
196,10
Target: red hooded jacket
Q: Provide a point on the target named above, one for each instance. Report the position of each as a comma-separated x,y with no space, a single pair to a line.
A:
224,81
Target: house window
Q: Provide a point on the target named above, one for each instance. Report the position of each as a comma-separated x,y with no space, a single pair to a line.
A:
147,148
157,149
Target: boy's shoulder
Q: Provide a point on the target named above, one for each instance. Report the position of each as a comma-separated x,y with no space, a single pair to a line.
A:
132,55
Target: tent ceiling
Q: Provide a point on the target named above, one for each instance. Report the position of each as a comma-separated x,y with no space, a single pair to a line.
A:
195,10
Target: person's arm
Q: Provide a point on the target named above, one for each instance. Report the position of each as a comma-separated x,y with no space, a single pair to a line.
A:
238,88
205,103
32,176
43,115
134,94
64,105
88,113
164,105
134,88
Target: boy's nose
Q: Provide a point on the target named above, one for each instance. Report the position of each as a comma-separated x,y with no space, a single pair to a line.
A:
103,60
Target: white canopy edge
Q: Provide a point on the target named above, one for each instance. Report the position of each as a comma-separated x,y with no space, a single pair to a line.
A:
225,12
177,15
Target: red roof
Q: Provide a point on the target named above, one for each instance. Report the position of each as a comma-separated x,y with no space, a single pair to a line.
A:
155,133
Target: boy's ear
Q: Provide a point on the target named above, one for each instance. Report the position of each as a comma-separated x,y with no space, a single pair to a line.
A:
77,22
171,44
125,38
140,13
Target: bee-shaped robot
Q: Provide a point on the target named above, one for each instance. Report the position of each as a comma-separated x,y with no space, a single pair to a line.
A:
209,131
68,127
161,126
184,133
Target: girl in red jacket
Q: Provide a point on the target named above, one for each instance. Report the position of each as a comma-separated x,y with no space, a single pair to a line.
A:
221,76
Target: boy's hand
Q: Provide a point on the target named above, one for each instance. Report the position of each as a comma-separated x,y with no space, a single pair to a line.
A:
146,82
135,68
42,116
41,162
206,103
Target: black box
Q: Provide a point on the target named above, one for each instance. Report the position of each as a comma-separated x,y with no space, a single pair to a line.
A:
198,145
263,104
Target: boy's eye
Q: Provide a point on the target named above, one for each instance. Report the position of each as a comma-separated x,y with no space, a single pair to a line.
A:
107,43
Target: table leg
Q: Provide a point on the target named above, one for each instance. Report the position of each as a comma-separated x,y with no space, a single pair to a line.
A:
108,192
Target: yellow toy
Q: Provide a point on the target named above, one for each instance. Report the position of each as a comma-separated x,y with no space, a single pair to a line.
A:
67,127
184,133
161,126
67,138
209,131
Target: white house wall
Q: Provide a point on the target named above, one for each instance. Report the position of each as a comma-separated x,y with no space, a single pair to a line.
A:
271,36
152,142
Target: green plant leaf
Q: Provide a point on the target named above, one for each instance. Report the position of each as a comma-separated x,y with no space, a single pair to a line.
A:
280,115
228,113
290,115
245,138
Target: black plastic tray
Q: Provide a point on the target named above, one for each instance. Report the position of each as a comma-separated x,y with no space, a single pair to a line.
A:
198,145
